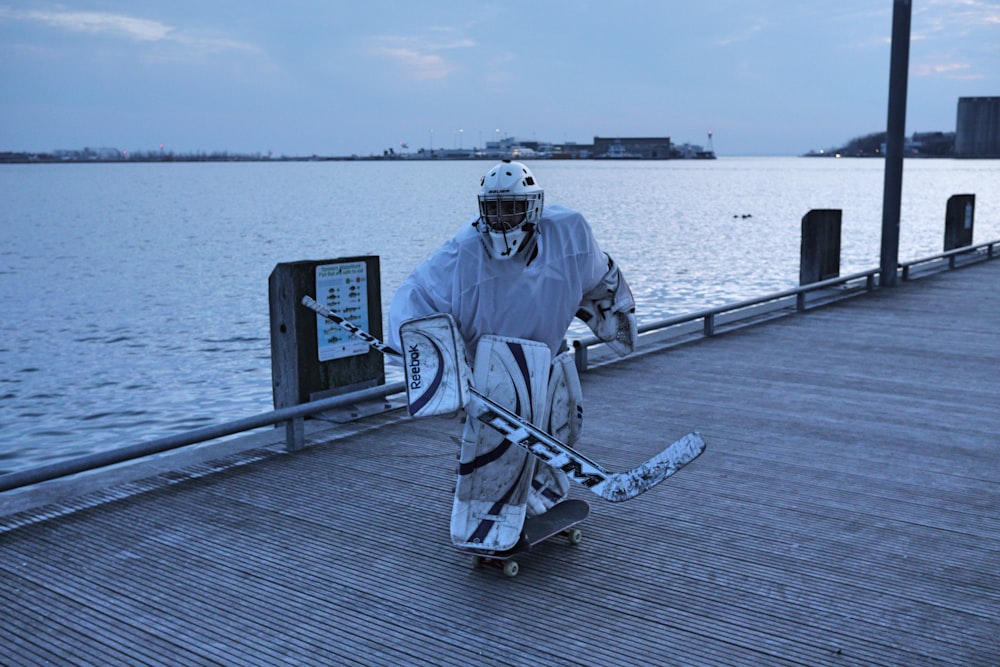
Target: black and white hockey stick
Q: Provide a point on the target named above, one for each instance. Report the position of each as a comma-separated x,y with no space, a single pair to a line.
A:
614,487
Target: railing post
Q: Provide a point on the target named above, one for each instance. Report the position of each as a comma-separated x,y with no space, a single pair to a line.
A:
710,325
800,302
295,434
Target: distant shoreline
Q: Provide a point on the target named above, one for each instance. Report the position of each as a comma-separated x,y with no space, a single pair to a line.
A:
20,158
25,158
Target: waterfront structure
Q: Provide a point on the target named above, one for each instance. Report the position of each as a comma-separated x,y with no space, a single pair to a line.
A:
647,148
633,147
977,128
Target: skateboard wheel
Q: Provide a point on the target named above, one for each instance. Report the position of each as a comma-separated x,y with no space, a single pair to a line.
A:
511,568
477,562
574,536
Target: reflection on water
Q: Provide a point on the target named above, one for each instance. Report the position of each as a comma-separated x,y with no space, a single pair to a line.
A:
134,297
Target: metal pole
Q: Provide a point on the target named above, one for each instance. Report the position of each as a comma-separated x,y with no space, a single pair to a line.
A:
895,138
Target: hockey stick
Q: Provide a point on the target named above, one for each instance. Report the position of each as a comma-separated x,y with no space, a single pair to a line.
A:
614,487
354,329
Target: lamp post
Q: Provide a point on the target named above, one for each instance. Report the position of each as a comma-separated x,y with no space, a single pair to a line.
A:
894,141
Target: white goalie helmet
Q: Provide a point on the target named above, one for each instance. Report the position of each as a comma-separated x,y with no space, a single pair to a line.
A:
510,206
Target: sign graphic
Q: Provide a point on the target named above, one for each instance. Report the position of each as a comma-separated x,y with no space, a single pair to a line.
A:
343,288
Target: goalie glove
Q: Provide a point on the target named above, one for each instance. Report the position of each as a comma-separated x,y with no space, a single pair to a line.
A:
434,360
609,310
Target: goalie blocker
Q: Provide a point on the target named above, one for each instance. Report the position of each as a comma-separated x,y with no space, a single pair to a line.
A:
434,360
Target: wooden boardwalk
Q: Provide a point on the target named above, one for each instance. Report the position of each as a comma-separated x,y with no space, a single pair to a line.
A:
847,512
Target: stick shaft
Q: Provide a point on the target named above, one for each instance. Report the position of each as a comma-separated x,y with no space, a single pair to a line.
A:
352,328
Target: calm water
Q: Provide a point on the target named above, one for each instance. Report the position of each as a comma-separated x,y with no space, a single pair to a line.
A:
134,297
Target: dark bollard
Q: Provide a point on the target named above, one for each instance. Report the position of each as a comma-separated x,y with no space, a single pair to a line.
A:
958,221
820,251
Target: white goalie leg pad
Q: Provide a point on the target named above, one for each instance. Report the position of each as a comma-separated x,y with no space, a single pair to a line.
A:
434,360
563,418
609,310
494,476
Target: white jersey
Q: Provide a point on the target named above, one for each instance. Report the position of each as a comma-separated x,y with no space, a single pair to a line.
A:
506,297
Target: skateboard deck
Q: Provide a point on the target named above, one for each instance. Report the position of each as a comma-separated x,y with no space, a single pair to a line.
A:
561,519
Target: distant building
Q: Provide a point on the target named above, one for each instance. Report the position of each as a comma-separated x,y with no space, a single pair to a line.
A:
648,148
633,147
977,129
89,154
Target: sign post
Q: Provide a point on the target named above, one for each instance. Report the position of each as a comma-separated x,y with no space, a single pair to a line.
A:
312,358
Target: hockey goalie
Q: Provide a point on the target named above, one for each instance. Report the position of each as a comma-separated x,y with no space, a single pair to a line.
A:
498,298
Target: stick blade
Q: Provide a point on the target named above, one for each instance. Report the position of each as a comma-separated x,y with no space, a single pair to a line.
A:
627,485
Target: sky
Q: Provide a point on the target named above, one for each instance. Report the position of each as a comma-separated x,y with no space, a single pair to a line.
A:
333,78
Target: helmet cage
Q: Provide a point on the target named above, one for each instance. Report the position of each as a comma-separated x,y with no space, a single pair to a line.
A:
505,213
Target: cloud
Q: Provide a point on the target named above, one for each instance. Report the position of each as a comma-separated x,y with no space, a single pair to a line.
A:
420,57
958,38
97,22
743,35
421,65
951,18
951,70
121,25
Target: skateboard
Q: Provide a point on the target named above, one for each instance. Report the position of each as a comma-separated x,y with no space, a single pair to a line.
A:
560,520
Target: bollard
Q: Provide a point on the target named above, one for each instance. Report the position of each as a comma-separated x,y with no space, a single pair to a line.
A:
958,221
819,258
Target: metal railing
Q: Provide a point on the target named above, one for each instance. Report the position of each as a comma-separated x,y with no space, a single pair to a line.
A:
710,317
971,254
292,417
711,320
